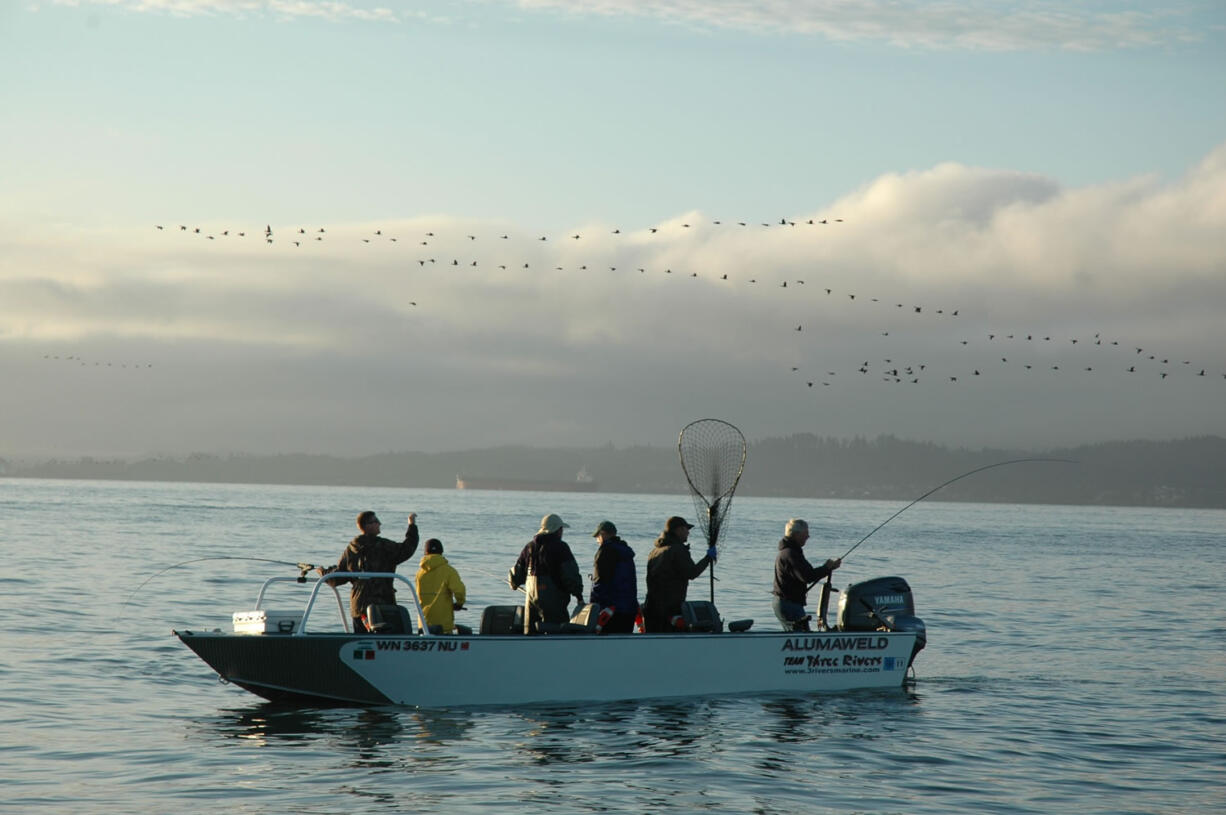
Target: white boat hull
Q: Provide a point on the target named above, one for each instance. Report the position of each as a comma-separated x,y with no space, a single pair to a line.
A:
461,671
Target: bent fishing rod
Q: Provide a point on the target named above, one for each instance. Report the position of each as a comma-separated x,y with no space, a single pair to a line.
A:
946,484
824,602
942,486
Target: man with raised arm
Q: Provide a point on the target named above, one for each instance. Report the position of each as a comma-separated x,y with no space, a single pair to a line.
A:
370,553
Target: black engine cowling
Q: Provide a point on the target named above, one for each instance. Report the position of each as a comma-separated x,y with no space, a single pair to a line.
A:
881,604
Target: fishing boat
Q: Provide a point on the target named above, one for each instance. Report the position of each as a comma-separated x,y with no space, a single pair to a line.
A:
308,657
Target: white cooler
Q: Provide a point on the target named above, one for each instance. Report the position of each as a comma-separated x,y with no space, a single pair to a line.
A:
266,621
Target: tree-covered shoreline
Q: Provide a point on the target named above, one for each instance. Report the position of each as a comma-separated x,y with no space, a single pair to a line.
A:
1182,473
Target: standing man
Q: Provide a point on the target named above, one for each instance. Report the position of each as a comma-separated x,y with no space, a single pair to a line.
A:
439,588
614,580
370,553
547,570
794,575
669,572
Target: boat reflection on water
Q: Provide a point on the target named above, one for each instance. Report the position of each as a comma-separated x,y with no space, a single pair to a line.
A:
802,719
441,726
650,730
645,733
267,724
558,733
364,731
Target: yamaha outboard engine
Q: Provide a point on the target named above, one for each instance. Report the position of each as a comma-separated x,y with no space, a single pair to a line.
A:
881,604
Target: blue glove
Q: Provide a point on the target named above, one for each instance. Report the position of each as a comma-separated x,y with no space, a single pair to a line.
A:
713,553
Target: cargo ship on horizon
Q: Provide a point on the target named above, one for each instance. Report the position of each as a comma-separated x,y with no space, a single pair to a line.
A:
583,483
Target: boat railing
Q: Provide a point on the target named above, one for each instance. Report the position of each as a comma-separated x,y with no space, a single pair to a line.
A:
340,603
322,581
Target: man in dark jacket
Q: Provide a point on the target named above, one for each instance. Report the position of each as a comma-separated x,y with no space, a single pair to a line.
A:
547,570
370,553
794,575
614,580
669,572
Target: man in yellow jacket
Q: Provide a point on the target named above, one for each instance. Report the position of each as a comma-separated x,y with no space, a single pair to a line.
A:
439,588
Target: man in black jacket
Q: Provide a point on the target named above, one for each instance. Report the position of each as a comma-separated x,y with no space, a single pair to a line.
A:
614,580
794,575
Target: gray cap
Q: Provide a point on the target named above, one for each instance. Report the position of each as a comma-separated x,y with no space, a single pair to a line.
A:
604,526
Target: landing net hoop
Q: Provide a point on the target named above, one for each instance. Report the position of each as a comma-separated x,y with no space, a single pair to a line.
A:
712,455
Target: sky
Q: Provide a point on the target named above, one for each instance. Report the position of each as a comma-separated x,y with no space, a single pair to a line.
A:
241,226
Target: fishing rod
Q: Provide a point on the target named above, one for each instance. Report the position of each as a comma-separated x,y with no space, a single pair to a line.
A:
946,484
302,568
828,587
940,487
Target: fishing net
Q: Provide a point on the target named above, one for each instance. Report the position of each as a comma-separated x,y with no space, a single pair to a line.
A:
712,457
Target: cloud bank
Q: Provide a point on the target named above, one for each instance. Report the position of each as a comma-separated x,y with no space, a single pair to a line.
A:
955,304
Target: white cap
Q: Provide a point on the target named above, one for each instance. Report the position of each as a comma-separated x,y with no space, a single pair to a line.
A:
552,523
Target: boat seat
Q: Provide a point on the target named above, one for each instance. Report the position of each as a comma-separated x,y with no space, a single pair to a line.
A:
385,618
701,615
502,620
585,620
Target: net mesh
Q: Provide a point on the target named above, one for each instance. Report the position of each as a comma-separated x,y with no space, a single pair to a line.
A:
712,457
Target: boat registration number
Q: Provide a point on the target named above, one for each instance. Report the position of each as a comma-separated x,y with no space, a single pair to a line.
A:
420,645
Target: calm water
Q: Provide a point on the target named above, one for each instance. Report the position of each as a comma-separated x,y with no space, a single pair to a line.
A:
1076,663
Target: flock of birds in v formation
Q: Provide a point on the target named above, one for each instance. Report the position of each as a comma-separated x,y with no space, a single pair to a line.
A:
1137,360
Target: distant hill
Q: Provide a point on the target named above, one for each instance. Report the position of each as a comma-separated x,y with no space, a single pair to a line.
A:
1184,473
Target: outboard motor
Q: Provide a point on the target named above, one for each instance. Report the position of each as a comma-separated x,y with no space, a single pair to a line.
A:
881,604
